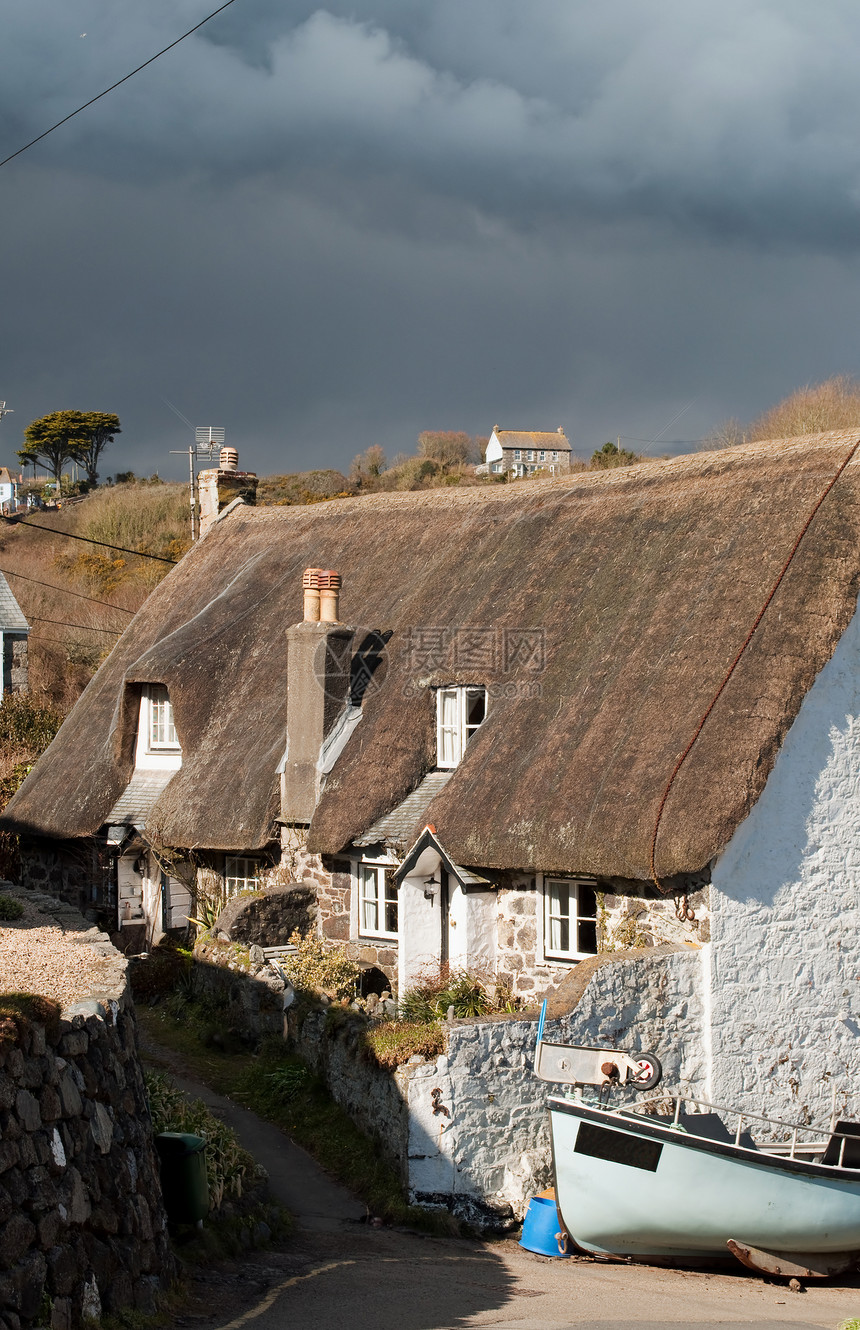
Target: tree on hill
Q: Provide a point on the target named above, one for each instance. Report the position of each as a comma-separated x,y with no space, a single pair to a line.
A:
610,455
99,428
69,436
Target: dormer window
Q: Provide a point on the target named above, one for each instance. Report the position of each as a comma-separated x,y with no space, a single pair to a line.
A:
158,744
459,712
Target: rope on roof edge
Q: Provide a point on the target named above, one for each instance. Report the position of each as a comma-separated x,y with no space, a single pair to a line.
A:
730,671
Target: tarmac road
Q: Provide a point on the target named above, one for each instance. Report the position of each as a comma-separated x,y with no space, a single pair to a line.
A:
341,1273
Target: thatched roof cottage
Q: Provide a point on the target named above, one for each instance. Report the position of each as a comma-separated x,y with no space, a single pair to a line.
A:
546,720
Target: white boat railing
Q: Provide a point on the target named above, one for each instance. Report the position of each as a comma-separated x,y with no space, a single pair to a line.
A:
792,1146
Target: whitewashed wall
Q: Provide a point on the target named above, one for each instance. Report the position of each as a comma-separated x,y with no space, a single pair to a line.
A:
785,900
481,1145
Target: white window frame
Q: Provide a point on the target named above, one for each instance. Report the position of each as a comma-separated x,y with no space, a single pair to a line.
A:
453,735
518,455
244,871
150,752
383,893
161,720
558,955
542,455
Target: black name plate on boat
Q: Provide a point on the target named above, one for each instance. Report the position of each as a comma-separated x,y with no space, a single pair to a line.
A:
617,1147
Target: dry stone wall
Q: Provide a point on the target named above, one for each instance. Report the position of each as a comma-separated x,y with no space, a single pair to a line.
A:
82,1224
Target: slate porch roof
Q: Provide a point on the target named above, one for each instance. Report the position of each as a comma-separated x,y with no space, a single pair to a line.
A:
11,616
398,828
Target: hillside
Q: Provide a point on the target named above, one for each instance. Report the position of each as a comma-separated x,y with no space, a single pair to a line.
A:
79,597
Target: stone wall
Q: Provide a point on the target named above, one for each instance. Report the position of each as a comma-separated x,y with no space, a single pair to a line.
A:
78,872
82,1225
269,917
15,662
468,1129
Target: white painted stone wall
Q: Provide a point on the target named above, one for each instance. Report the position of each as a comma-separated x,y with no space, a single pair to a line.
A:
785,899
481,1145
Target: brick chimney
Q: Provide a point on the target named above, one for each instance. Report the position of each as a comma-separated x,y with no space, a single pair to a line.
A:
319,658
219,486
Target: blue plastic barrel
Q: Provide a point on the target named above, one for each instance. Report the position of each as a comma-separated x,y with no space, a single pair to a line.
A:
542,1231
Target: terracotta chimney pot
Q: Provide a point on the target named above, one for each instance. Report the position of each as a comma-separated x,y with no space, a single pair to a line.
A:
329,585
311,588
228,459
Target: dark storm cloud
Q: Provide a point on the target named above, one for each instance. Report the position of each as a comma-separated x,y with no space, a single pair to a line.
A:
330,227
740,117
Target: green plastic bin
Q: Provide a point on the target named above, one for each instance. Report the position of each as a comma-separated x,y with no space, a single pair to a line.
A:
183,1176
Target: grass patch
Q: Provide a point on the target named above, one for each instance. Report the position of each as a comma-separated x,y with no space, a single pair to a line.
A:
391,1043
18,1011
277,1086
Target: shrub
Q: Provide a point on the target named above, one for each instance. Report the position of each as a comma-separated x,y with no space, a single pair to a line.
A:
433,995
227,1164
319,967
10,908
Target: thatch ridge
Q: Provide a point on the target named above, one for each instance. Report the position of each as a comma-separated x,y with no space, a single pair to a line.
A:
644,579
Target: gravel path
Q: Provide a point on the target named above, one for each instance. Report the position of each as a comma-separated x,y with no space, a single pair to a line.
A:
39,955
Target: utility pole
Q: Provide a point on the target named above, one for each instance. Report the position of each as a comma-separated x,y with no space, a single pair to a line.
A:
206,439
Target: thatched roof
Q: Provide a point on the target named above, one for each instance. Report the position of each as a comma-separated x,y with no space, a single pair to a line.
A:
644,580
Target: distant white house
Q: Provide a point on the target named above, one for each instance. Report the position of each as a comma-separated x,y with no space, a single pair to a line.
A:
523,452
8,490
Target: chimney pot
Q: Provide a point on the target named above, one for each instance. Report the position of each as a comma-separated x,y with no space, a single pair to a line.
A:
329,592
311,589
228,459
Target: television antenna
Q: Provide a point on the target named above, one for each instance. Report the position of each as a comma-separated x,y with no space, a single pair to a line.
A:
207,440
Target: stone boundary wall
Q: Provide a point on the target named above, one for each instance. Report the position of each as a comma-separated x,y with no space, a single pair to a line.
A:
82,1224
469,1129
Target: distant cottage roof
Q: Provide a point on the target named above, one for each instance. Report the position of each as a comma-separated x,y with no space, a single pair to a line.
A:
601,611
522,438
11,616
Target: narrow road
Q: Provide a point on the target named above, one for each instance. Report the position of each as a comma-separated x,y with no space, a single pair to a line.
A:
340,1273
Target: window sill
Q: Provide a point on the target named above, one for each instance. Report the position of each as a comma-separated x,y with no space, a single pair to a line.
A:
390,938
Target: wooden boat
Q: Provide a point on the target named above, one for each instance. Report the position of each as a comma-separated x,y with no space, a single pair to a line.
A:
673,1178
670,1179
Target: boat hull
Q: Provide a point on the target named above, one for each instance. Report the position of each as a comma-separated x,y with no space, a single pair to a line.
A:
630,1189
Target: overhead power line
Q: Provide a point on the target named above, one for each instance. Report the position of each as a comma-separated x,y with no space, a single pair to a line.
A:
87,627
88,540
52,586
124,79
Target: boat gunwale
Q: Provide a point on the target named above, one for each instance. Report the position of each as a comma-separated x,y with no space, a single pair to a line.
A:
631,1124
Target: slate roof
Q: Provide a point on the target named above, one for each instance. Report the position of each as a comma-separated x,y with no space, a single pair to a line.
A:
138,799
516,438
602,611
11,615
398,826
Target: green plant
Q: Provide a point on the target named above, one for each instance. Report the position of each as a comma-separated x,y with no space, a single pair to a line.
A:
436,992
391,1043
10,908
161,972
289,1081
317,966
227,1164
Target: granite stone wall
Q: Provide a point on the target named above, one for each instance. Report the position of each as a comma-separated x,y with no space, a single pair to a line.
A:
82,1225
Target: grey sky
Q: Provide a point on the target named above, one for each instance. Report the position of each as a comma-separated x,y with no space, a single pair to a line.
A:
325,228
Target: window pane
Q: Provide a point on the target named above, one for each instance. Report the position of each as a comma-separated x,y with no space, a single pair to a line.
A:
476,707
587,936
587,901
559,935
369,908
390,905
